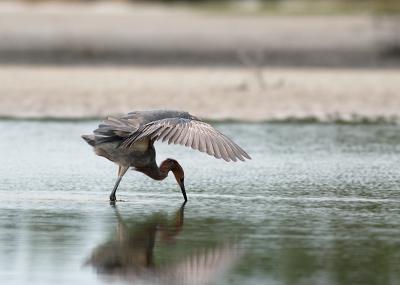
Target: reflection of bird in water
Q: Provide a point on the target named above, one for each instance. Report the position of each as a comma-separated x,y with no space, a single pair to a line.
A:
129,142
130,254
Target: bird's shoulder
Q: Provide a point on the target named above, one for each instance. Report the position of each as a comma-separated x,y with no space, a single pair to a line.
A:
145,117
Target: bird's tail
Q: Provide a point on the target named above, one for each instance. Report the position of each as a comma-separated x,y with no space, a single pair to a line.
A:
89,139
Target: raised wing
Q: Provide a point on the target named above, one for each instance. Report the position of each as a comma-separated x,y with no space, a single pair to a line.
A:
114,129
191,133
122,127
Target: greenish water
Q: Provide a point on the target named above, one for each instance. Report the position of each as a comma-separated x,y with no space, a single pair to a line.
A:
317,204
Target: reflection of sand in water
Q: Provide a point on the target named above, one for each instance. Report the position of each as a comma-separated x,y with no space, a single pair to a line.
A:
130,254
210,93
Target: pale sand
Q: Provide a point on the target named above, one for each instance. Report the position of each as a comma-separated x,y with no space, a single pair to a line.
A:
216,94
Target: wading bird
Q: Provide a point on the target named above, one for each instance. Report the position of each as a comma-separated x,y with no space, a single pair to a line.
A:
128,141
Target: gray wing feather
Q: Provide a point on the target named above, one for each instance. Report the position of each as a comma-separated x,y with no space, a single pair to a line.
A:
112,129
176,136
111,125
191,133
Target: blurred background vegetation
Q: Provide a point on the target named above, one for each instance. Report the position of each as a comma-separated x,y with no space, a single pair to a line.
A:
280,6
296,6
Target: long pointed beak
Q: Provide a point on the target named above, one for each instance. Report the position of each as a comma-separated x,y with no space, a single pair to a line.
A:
182,185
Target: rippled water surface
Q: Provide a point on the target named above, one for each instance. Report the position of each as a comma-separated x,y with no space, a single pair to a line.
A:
317,204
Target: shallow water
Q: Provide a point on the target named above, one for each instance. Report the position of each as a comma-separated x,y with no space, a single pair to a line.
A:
317,204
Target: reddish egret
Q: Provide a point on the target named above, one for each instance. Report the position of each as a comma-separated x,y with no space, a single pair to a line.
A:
129,142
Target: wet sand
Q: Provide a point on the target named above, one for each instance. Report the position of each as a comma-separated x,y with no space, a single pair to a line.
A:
215,93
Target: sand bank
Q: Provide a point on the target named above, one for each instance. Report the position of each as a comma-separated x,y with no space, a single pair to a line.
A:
211,93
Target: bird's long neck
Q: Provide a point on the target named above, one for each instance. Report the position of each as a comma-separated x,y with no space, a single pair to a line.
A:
154,172
160,172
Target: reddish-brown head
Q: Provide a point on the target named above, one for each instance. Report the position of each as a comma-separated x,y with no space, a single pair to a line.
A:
172,165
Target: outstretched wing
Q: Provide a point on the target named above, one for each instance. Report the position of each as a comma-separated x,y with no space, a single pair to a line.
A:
114,129
191,133
120,128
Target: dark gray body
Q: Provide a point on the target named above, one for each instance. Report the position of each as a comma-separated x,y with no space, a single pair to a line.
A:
108,137
141,154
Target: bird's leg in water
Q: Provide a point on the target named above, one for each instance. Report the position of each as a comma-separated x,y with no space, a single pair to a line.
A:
121,172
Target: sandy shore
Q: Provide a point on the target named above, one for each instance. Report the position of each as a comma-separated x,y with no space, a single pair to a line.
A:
211,93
